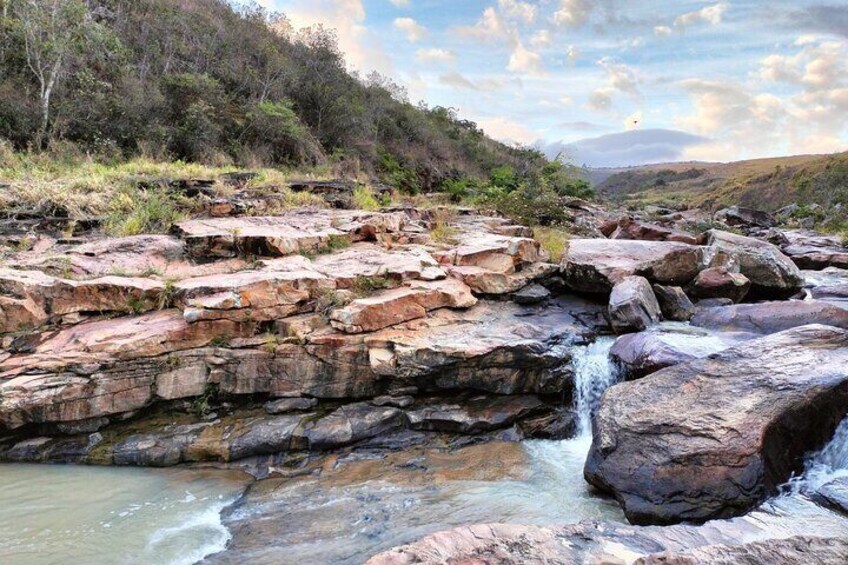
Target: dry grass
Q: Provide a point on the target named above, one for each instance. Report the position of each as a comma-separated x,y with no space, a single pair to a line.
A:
442,230
553,241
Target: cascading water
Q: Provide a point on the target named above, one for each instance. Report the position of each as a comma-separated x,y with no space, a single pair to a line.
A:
594,372
827,465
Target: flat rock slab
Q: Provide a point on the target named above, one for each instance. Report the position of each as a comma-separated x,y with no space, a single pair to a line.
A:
713,437
303,231
369,260
810,250
771,317
596,265
475,415
795,531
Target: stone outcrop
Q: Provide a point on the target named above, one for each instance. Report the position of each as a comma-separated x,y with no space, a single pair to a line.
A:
745,217
771,317
719,282
633,305
596,265
772,274
721,432
674,304
628,228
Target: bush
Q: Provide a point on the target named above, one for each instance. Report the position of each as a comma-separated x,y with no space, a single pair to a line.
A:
146,212
363,198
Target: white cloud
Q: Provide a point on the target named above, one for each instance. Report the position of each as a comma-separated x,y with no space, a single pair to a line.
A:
457,80
566,100
620,76
507,130
662,31
709,14
414,31
573,53
541,38
573,13
400,3
524,61
434,55
490,27
522,11
600,100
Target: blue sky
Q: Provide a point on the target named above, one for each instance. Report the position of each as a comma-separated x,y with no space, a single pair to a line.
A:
741,79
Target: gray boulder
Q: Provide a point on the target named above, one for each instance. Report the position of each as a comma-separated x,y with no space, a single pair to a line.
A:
633,306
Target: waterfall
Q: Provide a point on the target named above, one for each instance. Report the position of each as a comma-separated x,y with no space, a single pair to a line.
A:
593,374
829,464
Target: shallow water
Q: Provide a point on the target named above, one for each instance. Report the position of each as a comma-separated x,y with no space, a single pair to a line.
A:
71,514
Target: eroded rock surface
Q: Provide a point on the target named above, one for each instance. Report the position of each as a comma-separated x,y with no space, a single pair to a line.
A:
721,433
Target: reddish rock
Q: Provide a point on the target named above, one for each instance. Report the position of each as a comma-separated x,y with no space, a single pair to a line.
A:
719,282
628,228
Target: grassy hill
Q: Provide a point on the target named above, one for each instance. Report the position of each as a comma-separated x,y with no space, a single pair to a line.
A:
766,184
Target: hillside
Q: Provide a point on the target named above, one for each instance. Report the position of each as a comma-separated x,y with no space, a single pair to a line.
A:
220,83
761,183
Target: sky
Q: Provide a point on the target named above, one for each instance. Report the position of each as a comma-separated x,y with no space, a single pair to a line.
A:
613,82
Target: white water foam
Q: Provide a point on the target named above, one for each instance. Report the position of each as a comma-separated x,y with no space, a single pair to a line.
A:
824,466
594,372
195,538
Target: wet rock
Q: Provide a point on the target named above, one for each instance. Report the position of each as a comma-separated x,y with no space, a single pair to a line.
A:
713,303
392,307
396,401
633,305
479,414
770,317
531,294
719,282
596,265
640,354
284,405
772,274
834,495
746,217
674,304
350,424
725,430
798,532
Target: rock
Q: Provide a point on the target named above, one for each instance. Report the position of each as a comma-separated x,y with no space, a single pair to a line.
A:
531,294
838,293
493,252
747,217
674,303
392,307
396,401
725,430
596,265
633,305
794,533
284,405
484,281
640,354
337,193
350,265
713,303
834,495
772,274
628,228
299,231
352,423
770,317
476,415
719,282
810,250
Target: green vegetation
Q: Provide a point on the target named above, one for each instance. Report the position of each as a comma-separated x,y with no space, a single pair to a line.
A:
364,286
553,241
364,199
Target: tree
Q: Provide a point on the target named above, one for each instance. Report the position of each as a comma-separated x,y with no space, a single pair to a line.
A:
54,31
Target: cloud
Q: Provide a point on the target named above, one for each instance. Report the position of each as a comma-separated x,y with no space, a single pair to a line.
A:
573,13
414,31
508,131
573,53
638,147
662,31
434,55
709,14
458,80
583,127
634,121
600,100
524,61
541,38
831,19
522,11
490,27
400,3
621,77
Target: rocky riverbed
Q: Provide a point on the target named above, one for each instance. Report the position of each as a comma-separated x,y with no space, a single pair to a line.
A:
388,364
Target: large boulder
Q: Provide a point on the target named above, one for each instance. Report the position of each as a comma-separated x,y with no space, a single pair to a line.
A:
745,217
771,317
596,265
633,306
639,354
810,250
772,274
714,437
719,282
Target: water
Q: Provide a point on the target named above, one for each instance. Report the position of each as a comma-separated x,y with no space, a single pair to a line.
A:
593,374
827,465
70,514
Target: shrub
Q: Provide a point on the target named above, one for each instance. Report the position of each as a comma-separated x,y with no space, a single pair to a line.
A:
363,198
152,211
553,241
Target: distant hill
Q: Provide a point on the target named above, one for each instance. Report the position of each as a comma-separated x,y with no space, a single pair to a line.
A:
759,183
